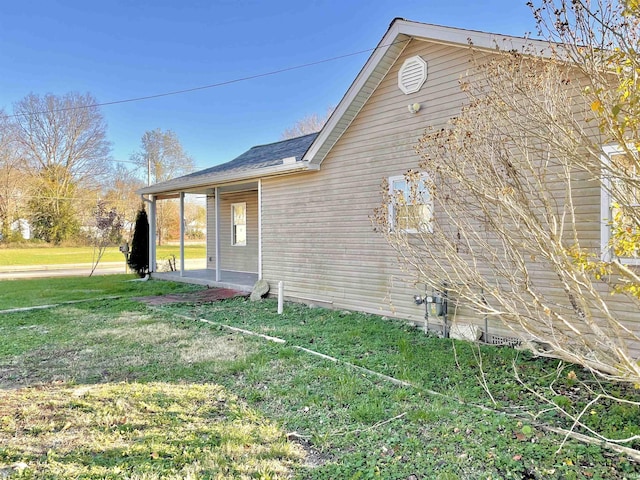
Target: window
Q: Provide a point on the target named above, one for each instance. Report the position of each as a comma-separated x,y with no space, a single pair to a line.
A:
410,208
239,224
620,206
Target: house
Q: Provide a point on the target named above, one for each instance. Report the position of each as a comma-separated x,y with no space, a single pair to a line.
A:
299,210
22,228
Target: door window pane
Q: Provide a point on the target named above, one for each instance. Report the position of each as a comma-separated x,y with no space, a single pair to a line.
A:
239,224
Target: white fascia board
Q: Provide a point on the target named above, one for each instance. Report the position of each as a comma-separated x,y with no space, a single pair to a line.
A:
475,38
354,90
222,178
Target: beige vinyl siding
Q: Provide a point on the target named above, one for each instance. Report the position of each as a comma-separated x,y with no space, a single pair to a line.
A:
238,258
317,233
586,198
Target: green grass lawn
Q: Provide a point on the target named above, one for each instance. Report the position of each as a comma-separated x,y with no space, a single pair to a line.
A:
113,389
69,255
46,291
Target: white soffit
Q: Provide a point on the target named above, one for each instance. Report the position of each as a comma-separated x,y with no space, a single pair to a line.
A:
412,75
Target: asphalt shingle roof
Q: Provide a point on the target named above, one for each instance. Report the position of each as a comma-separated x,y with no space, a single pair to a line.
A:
262,156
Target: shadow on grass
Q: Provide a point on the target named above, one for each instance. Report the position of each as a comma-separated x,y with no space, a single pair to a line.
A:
107,390
158,430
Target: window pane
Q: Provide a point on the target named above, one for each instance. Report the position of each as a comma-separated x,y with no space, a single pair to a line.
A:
627,193
624,161
240,235
625,231
402,217
625,203
239,224
413,217
411,209
238,214
400,186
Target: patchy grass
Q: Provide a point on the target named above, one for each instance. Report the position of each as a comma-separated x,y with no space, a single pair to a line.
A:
45,291
51,255
151,431
106,390
462,433
326,420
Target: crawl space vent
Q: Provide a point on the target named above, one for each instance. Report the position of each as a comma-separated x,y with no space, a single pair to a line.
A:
502,340
412,75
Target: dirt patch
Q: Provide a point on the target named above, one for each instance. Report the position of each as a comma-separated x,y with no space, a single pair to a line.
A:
203,296
313,458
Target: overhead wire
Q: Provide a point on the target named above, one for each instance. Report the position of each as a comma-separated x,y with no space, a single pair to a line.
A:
194,89
209,86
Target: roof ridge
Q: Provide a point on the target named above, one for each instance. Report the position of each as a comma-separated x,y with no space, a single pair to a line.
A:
527,35
285,140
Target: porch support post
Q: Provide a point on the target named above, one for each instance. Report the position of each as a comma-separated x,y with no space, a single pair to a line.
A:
259,229
152,233
218,268
182,234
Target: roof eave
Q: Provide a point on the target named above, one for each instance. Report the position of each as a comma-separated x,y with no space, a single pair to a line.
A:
224,178
475,38
357,94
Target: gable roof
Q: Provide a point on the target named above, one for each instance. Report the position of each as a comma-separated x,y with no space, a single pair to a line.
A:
310,150
255,162
384,56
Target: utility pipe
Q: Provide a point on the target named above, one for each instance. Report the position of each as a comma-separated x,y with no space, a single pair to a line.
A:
280,296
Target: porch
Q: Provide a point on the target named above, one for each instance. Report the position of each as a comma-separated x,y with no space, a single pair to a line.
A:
232,235
241,281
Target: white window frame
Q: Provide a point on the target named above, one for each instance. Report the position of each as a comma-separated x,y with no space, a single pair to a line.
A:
605,210
234,243
428,227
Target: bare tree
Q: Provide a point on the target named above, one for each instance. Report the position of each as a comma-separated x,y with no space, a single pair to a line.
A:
14,186
167,220
601,39
503,209
106,231
65,133
64,142
309,124
504,212
506,179
163,157
120,194
195,217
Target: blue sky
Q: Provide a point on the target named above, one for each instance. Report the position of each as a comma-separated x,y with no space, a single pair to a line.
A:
121,49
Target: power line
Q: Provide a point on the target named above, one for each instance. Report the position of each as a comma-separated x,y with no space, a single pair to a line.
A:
212,85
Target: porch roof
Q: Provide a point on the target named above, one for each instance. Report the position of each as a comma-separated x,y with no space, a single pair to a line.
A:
262,160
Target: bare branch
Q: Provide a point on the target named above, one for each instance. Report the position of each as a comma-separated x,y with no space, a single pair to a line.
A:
309,124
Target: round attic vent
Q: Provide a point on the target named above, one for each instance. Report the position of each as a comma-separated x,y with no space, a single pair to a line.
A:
412,75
